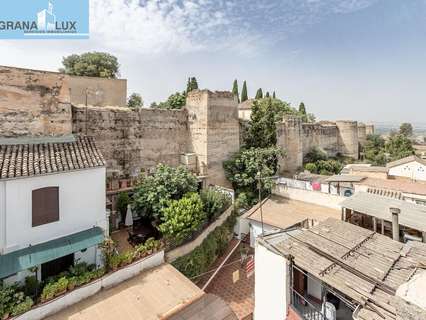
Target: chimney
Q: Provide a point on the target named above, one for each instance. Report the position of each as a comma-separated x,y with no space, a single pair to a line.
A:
395,223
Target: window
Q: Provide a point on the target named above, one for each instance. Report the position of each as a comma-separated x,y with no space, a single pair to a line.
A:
45,206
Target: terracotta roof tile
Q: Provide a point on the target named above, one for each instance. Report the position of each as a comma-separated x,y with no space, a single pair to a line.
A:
26,160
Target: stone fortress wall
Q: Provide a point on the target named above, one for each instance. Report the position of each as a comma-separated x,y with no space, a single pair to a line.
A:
202,135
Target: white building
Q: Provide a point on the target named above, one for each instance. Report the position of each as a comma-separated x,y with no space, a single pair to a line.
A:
411,167
52,206
336,270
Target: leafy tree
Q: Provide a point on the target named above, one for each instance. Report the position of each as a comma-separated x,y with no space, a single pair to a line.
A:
314,155
398,147
261,131
311,167
259,94
192,84
91,64
406,129
267,94
243,168
174,101
374,149
273,95
167,183
180,218
244,96
235,90
302,108
135,101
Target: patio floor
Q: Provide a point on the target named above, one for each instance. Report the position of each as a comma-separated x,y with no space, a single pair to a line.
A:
239,295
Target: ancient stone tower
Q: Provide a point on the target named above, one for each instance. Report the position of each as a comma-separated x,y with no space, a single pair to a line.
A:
347,138
362,133
213,131
289,138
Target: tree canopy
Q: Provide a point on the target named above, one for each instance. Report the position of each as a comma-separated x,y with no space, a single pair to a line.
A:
174,101
261,131
91,64
259,94
406,129
398,147
135,101
235,91
378,151
244,95
192,84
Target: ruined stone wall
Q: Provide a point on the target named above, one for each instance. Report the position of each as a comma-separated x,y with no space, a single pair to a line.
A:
33,103
131,140
348,138
362,133
100,91
321,136
289,138
369,129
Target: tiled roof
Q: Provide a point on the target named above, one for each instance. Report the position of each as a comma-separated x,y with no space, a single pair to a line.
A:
32,159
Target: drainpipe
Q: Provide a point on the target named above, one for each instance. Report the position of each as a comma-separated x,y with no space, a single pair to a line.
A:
395,223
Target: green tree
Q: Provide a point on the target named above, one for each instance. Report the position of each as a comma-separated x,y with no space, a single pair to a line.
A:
192,84
91,64
261,130
174,101
167,183
302,112
235,91
374,149
123,200
406,129
314,155
267,94
244,95
135,101
273,95
259,94
398,147
243,169
180,218
214,202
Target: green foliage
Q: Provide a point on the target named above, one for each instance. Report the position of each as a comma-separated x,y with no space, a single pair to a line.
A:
244,201
167,183
135,101
259,94
273,95
22,307
302,109
214,202
267,94
324,167
235,91
123,200
314,155
306,117
13,302
406,129
261,131
192,84
243,169
91,64
398,147
174,101
374,150
244,95
53,289
31,286
202,257
180,218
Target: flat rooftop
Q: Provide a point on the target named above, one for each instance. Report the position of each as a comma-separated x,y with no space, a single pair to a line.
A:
364,266
400,185
159,293
284,213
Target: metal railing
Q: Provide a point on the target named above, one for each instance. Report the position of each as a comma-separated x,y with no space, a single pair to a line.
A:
306,309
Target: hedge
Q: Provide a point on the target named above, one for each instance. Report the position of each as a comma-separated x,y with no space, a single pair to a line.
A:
203,256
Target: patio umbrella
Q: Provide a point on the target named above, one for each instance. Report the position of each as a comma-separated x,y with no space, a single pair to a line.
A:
129,217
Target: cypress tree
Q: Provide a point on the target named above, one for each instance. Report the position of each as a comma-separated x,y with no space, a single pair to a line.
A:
302,108
244,96
259,94
267,94
192,84
235,90
273,95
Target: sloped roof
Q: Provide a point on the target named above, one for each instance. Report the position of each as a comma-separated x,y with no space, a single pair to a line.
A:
32,159
363,265
406,160
396,185
412,215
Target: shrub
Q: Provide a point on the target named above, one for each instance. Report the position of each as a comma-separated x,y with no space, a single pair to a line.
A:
314,155
22,307
311,167
182,217
31,286
201,258
122,201
214,202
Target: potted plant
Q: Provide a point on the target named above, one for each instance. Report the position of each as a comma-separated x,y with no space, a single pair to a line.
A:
72,283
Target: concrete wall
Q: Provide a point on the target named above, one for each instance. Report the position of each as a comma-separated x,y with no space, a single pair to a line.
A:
272,287
412,170
33,103
88,186
100,91
131,140
51,307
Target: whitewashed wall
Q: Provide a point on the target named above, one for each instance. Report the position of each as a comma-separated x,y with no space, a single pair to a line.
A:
271,289
81,206
412,170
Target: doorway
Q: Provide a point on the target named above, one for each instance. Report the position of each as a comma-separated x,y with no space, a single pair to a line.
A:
55,267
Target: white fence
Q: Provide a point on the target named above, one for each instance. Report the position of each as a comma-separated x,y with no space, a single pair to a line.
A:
107,281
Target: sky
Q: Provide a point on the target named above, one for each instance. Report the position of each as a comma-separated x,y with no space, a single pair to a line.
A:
345,59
